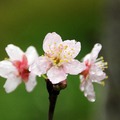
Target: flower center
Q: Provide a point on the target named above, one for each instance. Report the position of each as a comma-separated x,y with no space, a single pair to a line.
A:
22,67
99,62
86,71
56,55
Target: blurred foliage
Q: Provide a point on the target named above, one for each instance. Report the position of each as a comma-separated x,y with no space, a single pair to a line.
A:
26,23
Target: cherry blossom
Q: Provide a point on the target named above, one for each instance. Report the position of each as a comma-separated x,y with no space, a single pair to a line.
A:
58,60
94,72
16,68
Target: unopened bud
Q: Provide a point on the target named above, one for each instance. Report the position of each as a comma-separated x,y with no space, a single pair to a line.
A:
60,86
56,87
63,84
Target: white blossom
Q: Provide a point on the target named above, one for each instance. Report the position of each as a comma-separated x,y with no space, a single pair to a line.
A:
16,68
59,59
94,72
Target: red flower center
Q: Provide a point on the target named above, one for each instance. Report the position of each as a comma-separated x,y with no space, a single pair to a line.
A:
22,67
86,71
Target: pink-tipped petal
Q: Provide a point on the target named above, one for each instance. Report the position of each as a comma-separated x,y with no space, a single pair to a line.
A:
14,52
74,67
56,75
31,83
6,69
51,41
31,54
11,83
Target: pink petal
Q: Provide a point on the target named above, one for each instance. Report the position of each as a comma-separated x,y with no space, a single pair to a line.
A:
56,74
31,54
14,52
7,68
74,67
95,51
51,41
11,83
31,83
40,66
71,49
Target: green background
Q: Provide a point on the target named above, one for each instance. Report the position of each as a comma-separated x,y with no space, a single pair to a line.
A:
26,23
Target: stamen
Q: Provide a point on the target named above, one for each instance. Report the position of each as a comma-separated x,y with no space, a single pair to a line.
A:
100,59
102,83
100,62
68,53
6,58
106,77
64,56
65,47
54,54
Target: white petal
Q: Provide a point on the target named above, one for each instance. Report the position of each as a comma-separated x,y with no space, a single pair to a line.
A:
82,85
74,67
7,68
11,83
14,52
81,78
87,58
56,75
88,89
72,48
31,54
95,51
51,41
40,66
96,74
31,83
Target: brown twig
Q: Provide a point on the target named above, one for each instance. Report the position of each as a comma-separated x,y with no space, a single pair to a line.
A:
53,94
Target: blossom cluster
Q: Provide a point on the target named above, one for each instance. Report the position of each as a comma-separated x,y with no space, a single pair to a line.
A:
57,62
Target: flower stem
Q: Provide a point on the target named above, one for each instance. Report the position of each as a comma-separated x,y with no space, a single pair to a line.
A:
53,94
52,100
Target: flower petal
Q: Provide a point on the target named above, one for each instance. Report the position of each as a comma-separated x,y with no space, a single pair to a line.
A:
82,85
31,54
51,41
71,49
14,52
6,68
87,58
56,75
11,83
31,83
95,51
74,67
96,74
40,66
88,89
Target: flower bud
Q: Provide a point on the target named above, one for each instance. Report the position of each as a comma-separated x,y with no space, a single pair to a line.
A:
63,84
